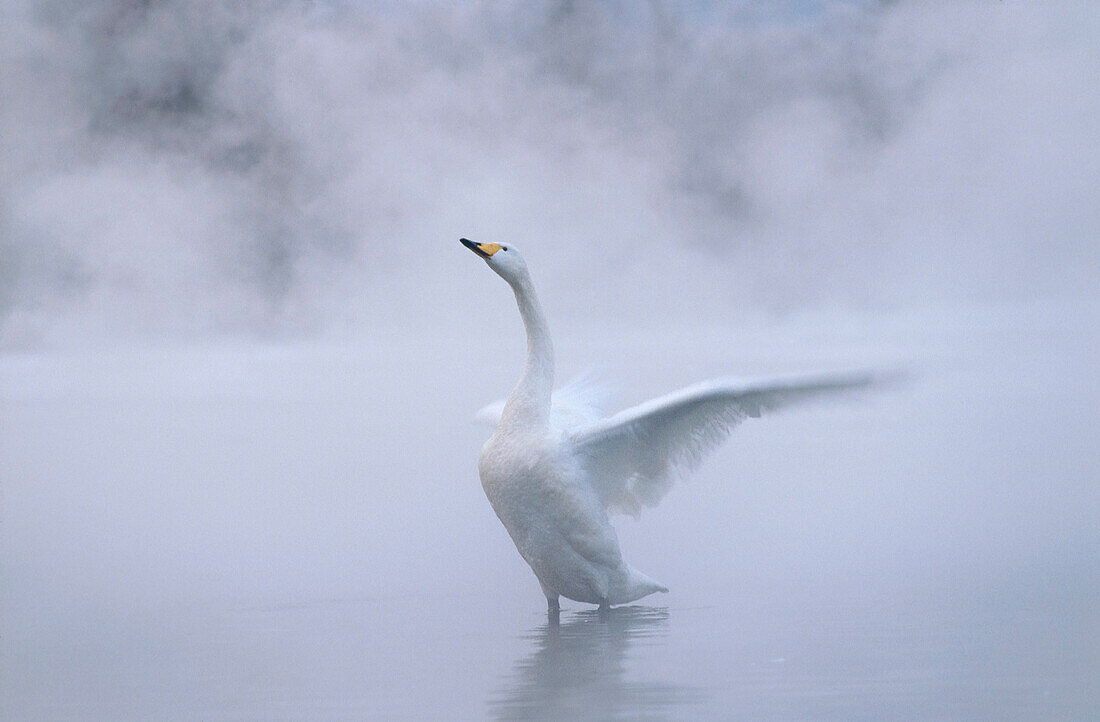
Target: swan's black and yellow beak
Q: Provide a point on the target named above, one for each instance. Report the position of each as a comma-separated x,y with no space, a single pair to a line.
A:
485,250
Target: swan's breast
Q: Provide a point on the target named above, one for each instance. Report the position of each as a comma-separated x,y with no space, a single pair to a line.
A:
510,459
527,478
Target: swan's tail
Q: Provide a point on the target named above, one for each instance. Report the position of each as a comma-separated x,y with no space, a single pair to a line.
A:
634,585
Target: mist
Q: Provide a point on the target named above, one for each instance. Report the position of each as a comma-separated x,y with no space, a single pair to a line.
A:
241,349
182,169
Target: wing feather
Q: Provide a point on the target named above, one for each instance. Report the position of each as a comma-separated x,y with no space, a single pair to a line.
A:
634,456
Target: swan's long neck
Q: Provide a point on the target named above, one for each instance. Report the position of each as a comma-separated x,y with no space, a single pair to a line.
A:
529,404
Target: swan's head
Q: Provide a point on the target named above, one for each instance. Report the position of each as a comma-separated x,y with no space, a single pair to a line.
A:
504,259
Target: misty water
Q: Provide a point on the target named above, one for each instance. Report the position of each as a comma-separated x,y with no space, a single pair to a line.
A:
266,531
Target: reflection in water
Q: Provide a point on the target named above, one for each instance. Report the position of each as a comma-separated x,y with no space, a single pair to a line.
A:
578,669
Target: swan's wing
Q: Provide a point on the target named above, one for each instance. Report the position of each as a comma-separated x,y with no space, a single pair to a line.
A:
634,456
580,402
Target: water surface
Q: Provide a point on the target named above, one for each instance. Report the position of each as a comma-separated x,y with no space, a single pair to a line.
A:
271,533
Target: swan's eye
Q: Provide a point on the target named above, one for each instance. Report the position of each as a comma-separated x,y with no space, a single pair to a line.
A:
504,248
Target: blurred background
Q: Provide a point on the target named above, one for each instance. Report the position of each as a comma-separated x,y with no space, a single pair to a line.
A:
241,347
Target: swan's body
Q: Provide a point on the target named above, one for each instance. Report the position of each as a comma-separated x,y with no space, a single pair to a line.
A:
553,469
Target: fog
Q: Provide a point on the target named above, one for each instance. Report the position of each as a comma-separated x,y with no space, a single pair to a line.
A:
241,349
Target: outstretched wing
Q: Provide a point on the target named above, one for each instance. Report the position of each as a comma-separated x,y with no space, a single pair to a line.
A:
634,456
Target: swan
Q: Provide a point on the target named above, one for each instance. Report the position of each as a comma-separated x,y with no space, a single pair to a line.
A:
554,469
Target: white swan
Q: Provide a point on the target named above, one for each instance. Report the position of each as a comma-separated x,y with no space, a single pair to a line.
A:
553,470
